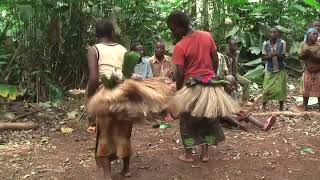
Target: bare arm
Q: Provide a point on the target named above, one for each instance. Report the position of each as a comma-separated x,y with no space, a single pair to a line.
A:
314,58
179,76
215,60
93,81
267,57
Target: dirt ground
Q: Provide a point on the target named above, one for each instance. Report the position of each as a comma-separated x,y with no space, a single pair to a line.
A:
289,151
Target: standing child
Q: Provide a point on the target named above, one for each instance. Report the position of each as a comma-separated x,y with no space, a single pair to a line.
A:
275,78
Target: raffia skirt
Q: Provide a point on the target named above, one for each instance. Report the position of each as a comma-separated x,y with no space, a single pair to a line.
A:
204,101
201,108
117,109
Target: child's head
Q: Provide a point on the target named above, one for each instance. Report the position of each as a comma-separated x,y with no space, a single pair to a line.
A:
274,33
104,29
136,46
231,87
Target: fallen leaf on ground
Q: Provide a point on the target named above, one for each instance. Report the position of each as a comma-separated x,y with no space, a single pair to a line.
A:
66,130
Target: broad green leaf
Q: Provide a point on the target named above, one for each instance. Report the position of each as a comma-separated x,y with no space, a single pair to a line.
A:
12,93
313,3
283,29
254,62
8,91
26,12
255,50
300,8
236,2
263,28
4,90
233,31
55,93
294,48
255,73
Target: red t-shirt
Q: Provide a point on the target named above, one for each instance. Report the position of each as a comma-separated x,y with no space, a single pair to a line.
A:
193,52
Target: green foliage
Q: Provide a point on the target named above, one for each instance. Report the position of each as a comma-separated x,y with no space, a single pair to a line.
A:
48,60
7,91
129,62
255,74
109,83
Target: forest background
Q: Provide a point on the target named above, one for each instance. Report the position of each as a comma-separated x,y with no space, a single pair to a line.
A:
44,42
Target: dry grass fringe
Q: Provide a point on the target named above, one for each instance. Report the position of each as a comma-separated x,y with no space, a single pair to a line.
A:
204,101
131,96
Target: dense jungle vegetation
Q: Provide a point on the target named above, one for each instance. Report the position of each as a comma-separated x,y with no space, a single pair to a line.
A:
43,42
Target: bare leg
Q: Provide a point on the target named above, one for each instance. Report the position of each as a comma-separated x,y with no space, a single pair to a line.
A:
187,157
126,167
319,103
305,103
204,153
281,105
104,162
233,122
264,125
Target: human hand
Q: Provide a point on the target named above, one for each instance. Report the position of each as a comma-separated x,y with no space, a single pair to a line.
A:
136,76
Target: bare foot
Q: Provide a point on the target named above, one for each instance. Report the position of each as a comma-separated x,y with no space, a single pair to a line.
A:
91,129
270,122
126,173
168,118
204,158
185,159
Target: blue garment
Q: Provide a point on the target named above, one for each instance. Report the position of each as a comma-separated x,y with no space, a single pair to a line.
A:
143,69
310,30
280,48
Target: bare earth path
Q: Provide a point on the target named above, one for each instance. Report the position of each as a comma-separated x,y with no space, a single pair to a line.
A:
290,151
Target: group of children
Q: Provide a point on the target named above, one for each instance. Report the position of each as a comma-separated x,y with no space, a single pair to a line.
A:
205,81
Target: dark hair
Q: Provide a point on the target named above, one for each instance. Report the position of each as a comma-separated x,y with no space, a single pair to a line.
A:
104,28
179,19
314,22
275,29
133,45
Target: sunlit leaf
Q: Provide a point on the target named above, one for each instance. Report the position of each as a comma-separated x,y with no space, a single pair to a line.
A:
300,8
233,31
314,3
255,50
255,73
8,91
254,62
283,29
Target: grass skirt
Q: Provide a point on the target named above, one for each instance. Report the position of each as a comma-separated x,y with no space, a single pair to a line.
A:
131,97
204,101
117,109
